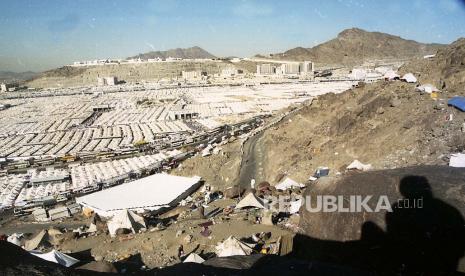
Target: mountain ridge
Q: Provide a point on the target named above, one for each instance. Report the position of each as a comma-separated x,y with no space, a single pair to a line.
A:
354,45
184,53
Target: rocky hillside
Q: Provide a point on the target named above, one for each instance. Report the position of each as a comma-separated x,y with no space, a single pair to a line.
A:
446,70
187,53
353,46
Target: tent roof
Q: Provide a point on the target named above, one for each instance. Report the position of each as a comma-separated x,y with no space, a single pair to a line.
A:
57,257
427,88
250,200
288,183
152,192
125,219
194,258
457,160
409,77
233,247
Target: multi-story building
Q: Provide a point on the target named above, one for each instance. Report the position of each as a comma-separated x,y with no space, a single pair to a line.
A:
266,69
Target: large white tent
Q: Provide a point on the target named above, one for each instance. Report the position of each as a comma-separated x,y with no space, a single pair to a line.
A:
148,193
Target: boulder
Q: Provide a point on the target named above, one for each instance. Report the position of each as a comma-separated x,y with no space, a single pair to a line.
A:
422,231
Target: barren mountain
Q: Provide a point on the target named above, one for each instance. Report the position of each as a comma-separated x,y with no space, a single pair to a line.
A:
187,53
354,45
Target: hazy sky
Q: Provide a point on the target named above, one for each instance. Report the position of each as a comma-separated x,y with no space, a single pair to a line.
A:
42,34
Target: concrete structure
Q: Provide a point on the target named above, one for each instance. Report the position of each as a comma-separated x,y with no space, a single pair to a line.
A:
230,72
308,67
183,115
8,87
189,75
287,68
102,81
290,68
266,69
58,213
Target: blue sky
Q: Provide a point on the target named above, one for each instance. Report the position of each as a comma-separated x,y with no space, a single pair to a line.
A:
42,34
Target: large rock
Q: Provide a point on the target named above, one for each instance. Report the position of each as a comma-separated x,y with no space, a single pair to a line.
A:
429,236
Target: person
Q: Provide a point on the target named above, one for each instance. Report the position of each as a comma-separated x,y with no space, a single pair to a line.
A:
252,183
180,251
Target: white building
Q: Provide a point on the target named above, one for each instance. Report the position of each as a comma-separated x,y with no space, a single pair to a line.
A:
102,81
266,69
307,67
290,68
188,75
230,72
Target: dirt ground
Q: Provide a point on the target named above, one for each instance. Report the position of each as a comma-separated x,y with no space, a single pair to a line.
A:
159,248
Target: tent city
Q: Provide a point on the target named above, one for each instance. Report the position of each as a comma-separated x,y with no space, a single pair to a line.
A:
298,137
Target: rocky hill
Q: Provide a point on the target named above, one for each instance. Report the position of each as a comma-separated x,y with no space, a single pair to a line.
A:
187,53
446,70
353,46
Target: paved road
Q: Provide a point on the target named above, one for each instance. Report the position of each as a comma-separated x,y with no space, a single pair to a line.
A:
252,161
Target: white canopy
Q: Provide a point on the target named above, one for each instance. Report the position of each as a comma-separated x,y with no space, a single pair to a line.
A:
150,193
428,88
251,200
126,220
357,165
288,183
295,206
233,247
409,77
457,160
194,258
390,75
56,257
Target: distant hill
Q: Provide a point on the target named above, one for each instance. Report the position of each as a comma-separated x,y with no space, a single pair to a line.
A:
185,53
354,45
7,76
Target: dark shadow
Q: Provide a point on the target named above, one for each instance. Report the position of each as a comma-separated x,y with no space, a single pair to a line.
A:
424,236
133,264
425,233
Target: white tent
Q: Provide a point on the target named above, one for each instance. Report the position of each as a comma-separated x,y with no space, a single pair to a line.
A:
357,165
409,77
428,88
56,257
126,220
251,200
391,75
194,258
15,239
457,160
295,206
148,193
288,183
233,247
